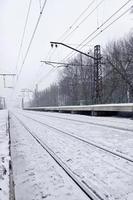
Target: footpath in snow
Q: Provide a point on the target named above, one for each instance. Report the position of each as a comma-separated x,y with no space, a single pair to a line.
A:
4,156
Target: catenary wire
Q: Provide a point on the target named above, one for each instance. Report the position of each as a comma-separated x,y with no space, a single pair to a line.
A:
91,34
76,20
23,35
32,37
109,19
104,28
84,19
109,25
100,27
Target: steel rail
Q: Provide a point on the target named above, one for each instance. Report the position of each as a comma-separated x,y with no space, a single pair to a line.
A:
90,192
85,122
119,155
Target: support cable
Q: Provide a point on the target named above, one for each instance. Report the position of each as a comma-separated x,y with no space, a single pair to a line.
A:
81,45
77,19
84,19
32,37
23,35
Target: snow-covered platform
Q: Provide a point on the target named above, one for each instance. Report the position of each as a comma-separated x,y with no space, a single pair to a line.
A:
4,156
100,109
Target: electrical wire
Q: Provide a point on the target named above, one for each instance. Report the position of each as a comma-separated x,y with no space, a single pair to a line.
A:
76,20
82,43
91,34
32,37
109,25
23,35
84,19
107,20
96,34
96,30
104,28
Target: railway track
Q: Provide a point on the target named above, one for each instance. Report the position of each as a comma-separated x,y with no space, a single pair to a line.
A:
90,192
107,150
85,122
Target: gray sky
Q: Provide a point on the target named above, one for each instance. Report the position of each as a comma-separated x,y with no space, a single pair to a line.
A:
57,17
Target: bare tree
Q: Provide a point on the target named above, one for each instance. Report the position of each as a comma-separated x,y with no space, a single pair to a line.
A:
75,84
119,59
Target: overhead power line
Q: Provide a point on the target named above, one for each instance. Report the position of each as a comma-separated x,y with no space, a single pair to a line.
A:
109,25
23,35
107,20
83,20
76,20
32,37
102,29
81,45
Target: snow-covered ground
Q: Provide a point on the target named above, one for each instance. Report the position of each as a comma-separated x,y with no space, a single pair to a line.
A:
116,122
4,156
36,175
111,177
93,129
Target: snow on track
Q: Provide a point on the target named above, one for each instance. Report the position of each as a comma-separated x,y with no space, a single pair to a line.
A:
36,175
118,140
111,177
110,122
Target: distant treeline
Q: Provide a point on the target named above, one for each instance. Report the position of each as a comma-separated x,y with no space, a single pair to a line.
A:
75,85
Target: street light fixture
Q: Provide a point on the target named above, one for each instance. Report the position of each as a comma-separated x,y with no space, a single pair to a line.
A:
60,43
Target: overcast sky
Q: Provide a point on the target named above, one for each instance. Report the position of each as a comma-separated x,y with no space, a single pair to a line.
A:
57,17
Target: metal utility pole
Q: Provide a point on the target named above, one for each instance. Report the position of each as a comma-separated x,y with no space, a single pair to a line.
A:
97,76
97,71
